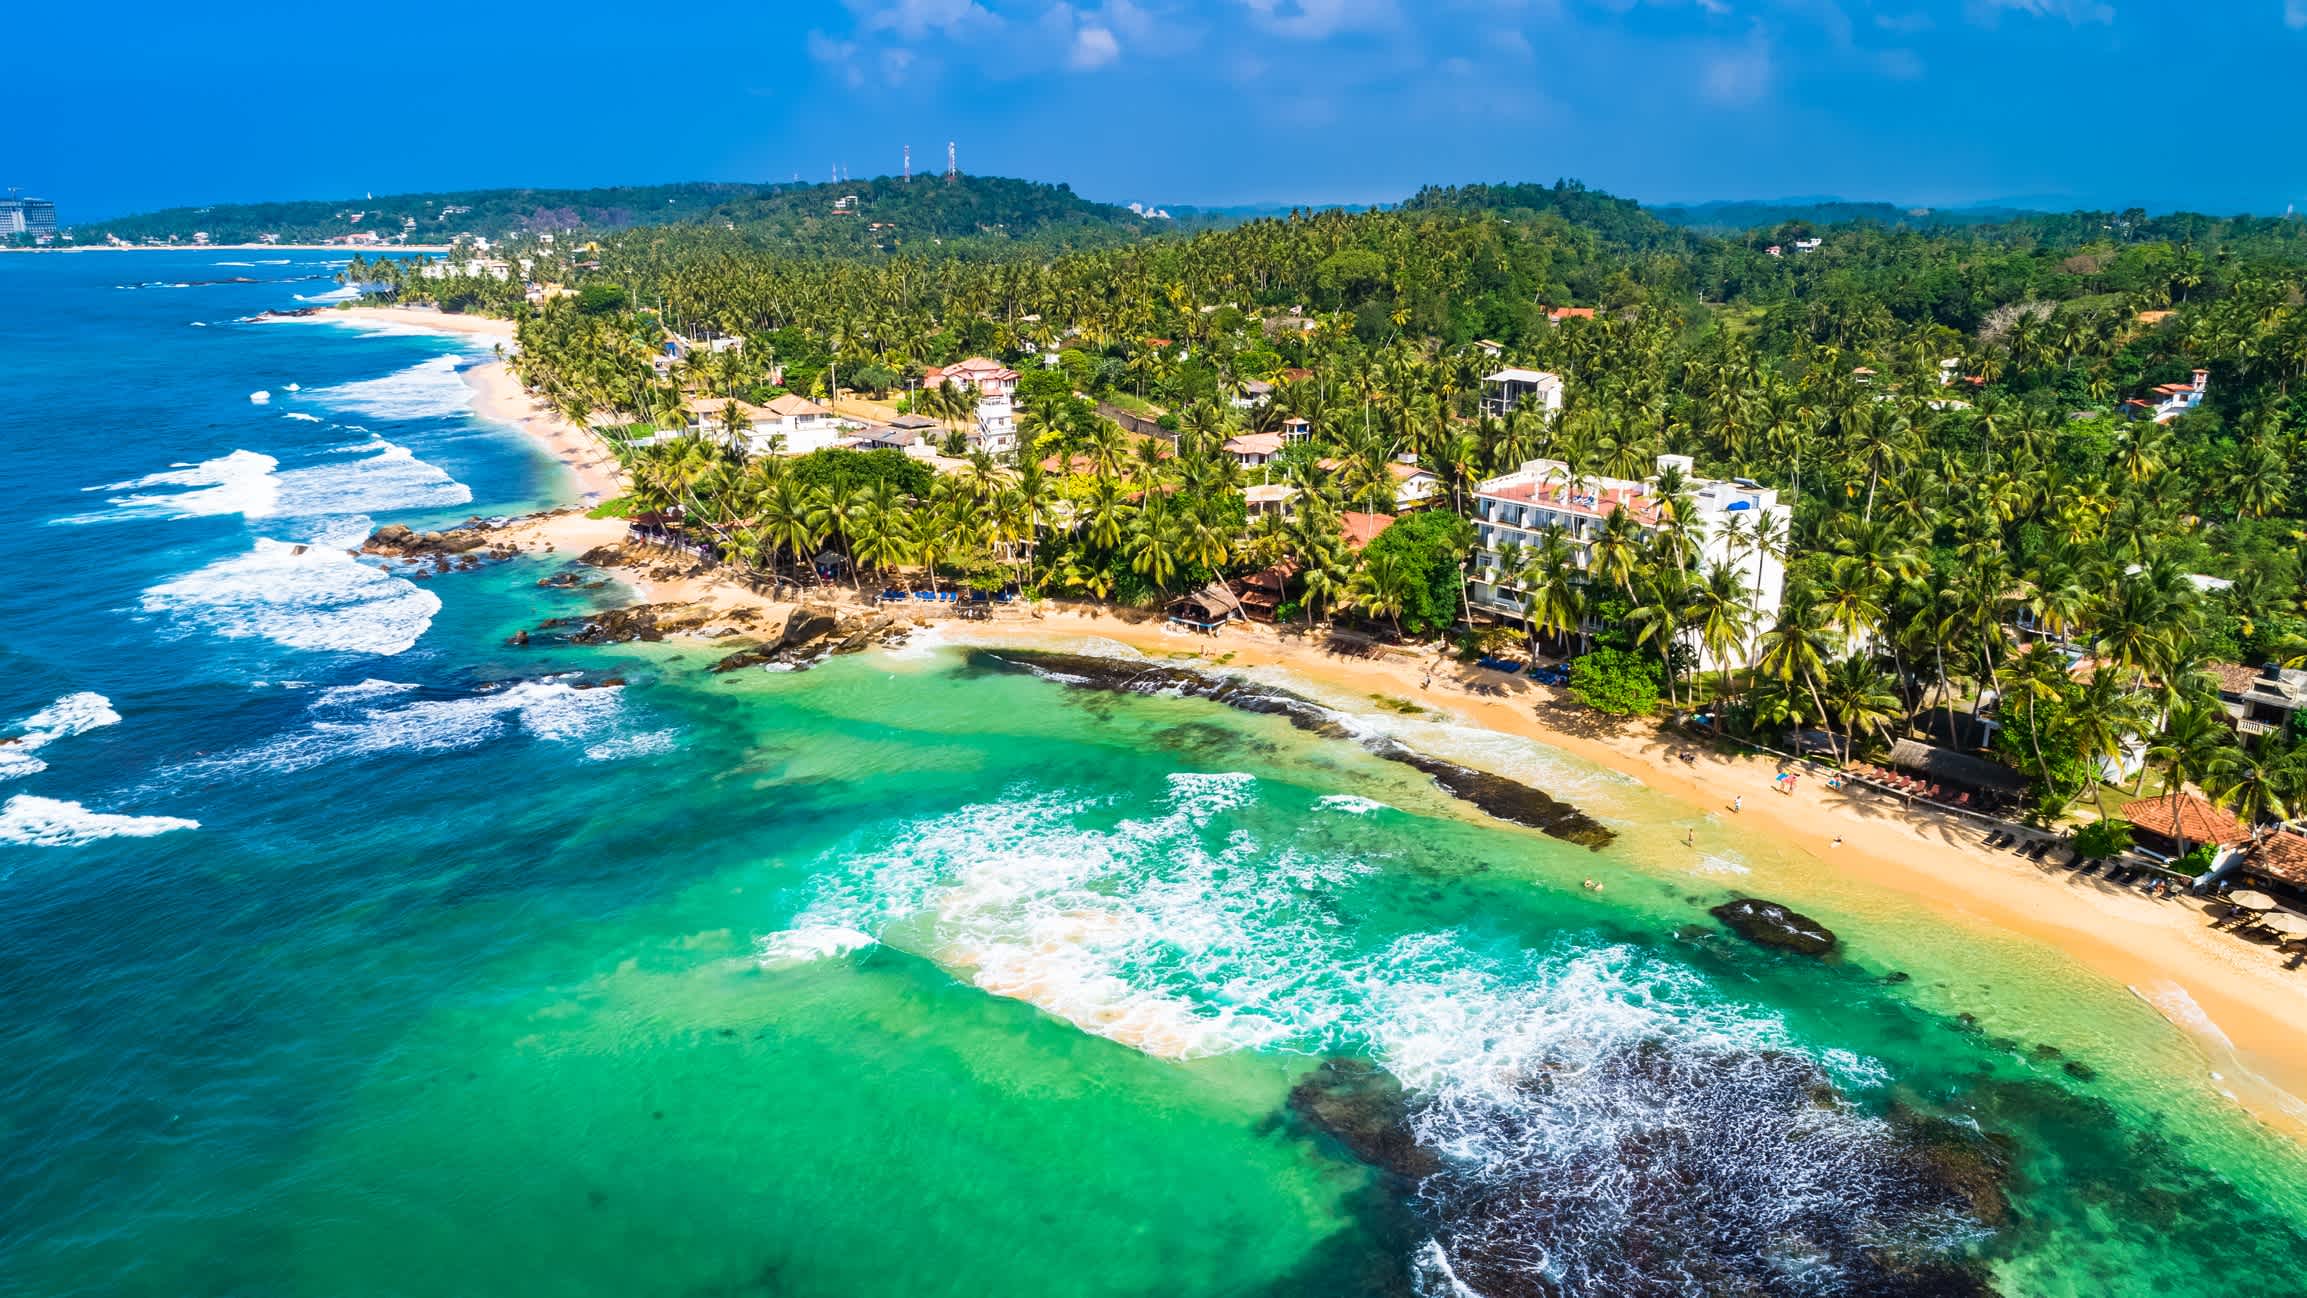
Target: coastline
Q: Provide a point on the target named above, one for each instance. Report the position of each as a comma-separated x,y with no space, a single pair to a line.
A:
243,247
2240,1009
2245,1010
499,396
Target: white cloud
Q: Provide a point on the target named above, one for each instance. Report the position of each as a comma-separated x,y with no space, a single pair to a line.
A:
841,56
1093,47
1316,19
914,19
2074,11
2295,14
1737,77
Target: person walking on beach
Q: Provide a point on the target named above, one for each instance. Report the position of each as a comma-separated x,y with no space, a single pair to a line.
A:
1837,841
1738,803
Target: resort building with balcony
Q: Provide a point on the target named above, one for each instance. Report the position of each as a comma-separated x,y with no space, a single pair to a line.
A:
996,388
2170,400
1509,388
1518,510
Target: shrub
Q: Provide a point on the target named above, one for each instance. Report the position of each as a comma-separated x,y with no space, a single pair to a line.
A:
1615,681
2102,839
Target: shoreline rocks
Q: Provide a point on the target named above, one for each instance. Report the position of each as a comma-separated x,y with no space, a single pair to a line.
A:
1771,924
1495,795
400,541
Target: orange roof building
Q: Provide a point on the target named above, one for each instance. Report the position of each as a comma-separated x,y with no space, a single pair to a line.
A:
1361,529
2198,819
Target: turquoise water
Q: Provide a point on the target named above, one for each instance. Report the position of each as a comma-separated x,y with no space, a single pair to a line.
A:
475,974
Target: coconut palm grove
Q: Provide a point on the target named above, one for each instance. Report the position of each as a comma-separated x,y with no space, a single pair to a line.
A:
2043,474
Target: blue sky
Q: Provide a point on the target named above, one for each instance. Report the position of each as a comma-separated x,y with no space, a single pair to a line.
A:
132,104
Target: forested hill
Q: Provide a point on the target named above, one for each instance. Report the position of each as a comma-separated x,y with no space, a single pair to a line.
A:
1621,223
1731,217
886,214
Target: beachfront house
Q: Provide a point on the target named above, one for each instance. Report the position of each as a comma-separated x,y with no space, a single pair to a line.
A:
794,425
2170,400
709,418
1515,513
1509,388
1414,487
995,386
2261,701
1253,450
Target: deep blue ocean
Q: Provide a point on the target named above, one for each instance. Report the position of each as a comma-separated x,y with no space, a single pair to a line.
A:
347,949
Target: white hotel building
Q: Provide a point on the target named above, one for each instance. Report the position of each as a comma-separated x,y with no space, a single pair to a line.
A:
996,387
1519,508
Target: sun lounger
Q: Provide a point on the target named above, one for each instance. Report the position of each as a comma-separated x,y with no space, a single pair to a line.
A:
2091,869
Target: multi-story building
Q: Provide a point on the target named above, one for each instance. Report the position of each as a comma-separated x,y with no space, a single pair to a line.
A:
33,216
996,388
1510,387
1520,508
2171,400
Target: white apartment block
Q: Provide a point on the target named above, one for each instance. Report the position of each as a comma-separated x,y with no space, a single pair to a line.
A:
1520,507
1509,388
996,387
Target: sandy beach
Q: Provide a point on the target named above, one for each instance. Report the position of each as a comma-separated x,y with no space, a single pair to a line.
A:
2250,1030
498,395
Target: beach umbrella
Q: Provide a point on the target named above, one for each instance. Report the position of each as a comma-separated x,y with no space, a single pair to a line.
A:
2249,900
2285,923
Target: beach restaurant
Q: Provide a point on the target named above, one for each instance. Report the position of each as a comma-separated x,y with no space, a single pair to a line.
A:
2163,821
1206,609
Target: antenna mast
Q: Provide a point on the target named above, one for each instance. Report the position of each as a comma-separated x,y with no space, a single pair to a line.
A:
908,164
950,170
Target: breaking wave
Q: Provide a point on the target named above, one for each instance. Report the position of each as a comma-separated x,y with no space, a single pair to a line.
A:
73,714
375,716
302,596
1573,1098
385,476
50,822
429,389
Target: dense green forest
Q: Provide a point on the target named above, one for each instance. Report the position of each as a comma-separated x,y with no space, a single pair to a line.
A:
885,214
1978,527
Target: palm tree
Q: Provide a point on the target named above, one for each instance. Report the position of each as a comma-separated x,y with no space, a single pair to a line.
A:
876,524
1722,607
1860,694
1382,587
2195,742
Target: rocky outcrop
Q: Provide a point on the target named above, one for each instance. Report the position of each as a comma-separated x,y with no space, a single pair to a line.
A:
1771,924
797,634
399,541
1362,1107
1506,799
813,633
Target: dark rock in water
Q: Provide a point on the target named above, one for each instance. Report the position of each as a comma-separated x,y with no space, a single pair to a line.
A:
1957,1160
1771,924
2079,1070
1505,799
1655,1169
812,633
520,637
399,541
1366,1110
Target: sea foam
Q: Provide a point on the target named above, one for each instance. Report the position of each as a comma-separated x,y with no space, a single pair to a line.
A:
1574,1094
429,389
51,822
303,596
73,714
361,478
375,716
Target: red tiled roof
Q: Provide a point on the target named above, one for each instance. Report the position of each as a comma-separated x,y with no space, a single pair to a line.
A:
2203,822
2233,678
1601,504
2283,857
1361,529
